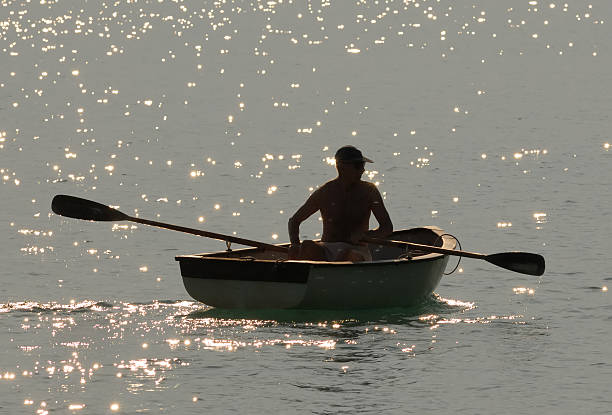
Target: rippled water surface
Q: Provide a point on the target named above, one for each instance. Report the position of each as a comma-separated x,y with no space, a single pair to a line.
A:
490,120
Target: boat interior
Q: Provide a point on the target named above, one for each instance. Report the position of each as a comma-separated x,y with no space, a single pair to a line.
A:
425,236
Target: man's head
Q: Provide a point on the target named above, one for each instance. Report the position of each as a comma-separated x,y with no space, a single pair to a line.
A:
350,154
350,162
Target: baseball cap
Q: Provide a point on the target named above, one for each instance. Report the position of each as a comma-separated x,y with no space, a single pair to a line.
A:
351,154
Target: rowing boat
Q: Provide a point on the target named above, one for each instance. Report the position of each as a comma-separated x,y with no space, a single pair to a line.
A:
259,278
405,269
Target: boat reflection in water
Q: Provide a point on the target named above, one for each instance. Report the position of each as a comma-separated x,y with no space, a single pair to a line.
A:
427,312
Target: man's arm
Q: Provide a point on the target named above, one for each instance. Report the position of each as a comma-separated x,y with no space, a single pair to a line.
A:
385,227
308,208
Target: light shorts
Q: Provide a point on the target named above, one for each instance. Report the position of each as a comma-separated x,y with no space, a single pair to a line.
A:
336,250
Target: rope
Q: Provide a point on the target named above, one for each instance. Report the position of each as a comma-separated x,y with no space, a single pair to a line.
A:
458,243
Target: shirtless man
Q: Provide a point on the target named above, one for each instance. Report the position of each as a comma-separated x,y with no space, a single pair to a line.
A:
345,204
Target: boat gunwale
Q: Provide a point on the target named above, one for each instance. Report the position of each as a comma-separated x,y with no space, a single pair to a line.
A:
432,256
420,258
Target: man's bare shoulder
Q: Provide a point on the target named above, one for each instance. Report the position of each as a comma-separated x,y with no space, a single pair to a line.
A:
369,186
330,186
372,191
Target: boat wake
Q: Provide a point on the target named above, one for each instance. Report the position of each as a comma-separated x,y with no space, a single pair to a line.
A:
428,311
52,307
86,305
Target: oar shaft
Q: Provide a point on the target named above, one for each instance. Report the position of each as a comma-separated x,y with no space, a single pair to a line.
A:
207,234
426,248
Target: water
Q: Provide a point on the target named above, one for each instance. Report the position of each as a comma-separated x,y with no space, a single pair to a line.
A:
489,120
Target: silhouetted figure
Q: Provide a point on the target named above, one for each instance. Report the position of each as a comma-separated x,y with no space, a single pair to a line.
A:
345,204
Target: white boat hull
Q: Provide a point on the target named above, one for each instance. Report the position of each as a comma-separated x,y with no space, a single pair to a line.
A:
254,279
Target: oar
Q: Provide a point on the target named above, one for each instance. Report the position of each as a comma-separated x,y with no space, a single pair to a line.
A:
523,262
75,207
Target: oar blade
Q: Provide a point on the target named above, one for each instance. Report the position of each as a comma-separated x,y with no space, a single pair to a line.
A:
77,208
523,262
